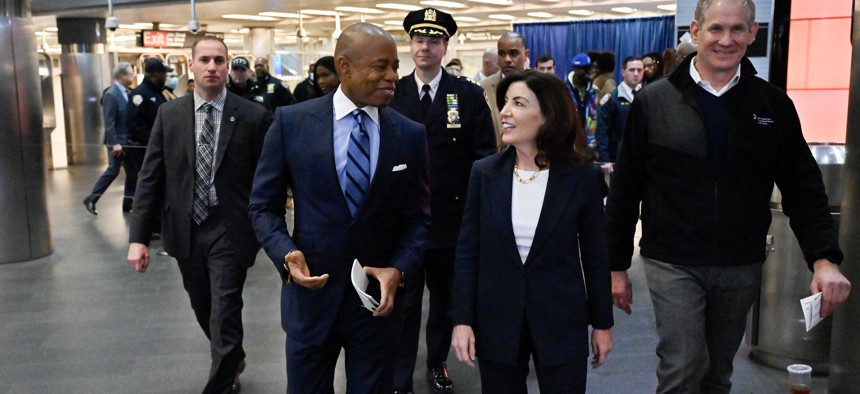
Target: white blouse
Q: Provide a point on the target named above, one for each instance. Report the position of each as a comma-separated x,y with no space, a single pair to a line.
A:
526,204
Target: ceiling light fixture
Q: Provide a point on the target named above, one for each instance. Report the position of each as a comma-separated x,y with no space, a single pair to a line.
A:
540,15
444,4
466,19
286,15
394,23
399,7
504,17
319,12
581,12
623,10
494,2
359,10
257,18
668,7
53,29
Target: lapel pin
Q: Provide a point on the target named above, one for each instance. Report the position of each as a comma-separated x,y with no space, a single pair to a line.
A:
232,119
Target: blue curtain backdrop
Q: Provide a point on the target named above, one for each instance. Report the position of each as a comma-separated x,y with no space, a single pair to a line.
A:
624,37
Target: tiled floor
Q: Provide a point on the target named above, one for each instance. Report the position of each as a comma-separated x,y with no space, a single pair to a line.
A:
81,321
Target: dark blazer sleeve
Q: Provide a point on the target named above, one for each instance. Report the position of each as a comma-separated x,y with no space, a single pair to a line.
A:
111,113
150,186
269,194
484,131
593,253
466,261
415,212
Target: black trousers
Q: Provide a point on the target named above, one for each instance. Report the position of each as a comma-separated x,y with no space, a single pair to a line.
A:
566,378
214,276
438,270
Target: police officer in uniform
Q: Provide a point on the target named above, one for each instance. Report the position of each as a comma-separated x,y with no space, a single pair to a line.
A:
241,84
276,93
459,131
143,104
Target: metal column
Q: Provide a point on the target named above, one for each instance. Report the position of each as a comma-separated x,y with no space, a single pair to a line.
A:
845,351
25,232
85,74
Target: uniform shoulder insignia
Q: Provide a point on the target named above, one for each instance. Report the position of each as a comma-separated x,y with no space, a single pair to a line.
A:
471,80
137,99
604,99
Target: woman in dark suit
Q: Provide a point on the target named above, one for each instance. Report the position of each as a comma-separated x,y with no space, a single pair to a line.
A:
532,271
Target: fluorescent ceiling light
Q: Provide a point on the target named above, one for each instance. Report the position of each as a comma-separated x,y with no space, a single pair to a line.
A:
360,10
668,7
51,29
257,18
466,19
444,4
581,12
394,23
623,10
233,41
281,15
504,17
121,38
168,25
320,12
540,15
494,2
399,7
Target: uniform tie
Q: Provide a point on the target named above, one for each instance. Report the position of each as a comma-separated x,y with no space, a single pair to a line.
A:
203,166
357,164
426,100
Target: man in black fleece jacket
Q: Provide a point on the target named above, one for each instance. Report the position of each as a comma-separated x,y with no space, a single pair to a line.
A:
701,153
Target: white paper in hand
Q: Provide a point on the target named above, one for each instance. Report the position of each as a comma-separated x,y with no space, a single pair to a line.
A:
360,282
811,310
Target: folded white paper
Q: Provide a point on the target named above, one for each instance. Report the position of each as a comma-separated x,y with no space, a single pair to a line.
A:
360,282
811,310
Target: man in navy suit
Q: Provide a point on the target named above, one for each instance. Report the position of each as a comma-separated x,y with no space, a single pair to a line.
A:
358,172
115,101
459,131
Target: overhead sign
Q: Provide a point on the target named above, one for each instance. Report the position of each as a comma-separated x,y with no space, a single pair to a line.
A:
171,39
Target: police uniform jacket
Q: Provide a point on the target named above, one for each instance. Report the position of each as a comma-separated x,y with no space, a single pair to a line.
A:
251,91
143,103
459,131
276,93
611,118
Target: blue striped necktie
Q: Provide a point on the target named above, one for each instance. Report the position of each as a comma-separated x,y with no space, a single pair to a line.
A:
357,164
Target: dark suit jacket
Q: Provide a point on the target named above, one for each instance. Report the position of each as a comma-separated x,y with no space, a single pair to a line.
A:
167,176
452,150
389,230
555,291
115,113
143,103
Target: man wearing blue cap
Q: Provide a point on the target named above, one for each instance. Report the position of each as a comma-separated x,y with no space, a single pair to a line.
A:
584,96
459,131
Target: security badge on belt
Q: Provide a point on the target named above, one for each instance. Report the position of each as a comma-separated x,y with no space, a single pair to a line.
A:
453,111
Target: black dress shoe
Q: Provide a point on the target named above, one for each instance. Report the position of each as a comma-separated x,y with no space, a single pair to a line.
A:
438,379
236,388
126,208
401,391
90,205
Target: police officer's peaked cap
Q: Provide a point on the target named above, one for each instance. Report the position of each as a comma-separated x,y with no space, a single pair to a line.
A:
430,22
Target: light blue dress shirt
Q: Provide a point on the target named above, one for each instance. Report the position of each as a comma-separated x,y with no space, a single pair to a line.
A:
343,124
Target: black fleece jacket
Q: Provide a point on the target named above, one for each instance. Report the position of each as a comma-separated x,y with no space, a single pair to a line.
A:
689,215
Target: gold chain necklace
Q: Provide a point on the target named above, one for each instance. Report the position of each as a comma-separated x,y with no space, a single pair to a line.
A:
525,181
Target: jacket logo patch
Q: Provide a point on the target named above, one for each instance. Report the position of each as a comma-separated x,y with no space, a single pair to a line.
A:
762,121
